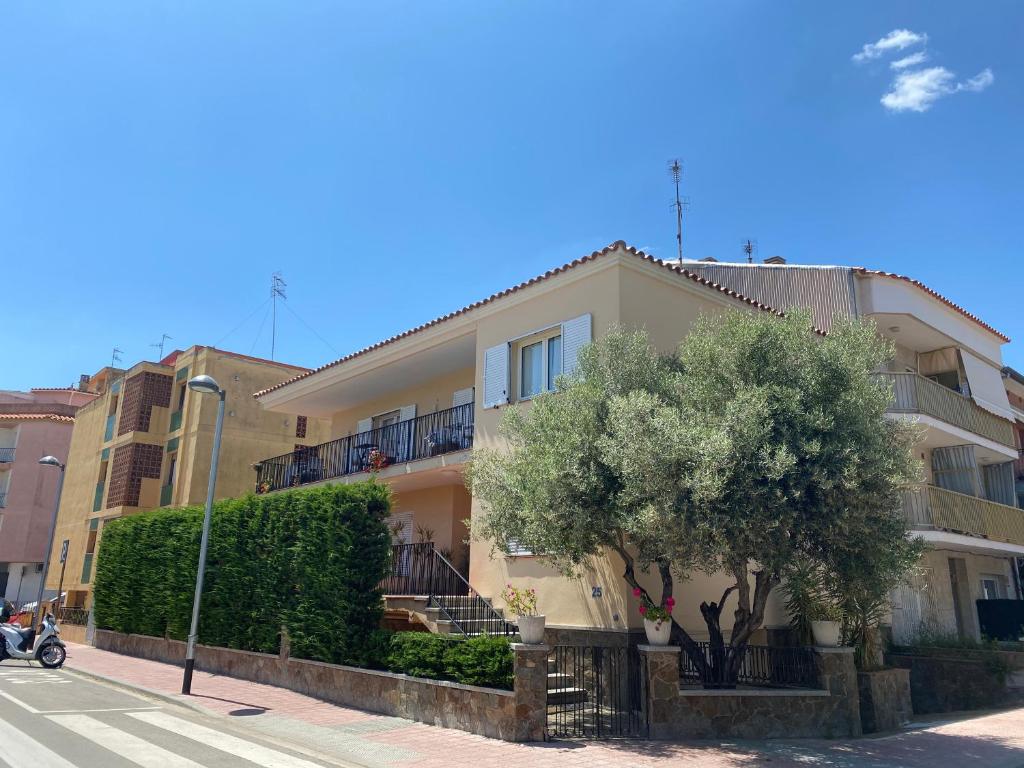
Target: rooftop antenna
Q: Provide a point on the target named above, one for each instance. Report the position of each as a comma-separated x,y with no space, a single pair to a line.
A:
277,286
115,357
164,338
750,248
675,168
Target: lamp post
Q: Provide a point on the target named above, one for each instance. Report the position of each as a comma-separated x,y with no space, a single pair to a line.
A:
206,385
50,461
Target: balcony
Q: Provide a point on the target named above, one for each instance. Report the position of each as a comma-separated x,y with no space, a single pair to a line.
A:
913,393
932,507
411,440
6,455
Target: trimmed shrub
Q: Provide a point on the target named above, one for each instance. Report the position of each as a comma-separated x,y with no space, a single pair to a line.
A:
309,559
484,661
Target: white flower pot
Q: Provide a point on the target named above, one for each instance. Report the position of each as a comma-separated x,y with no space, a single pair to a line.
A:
826,633
531,629
658,632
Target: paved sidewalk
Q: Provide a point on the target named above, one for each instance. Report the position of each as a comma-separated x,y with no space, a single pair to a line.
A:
354,737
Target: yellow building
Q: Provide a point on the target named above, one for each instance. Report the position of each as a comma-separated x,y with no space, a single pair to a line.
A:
147,443
415,405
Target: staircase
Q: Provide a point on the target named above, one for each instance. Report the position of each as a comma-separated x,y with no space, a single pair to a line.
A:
562,688
421,579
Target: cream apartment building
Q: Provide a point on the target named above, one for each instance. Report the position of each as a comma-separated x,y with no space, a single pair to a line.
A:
415,405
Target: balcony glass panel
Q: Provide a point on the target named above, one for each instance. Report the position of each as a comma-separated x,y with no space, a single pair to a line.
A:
410,440
97,499
109,433
166,492
175,421
87,569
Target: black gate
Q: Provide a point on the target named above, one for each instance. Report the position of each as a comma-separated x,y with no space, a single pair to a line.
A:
594,692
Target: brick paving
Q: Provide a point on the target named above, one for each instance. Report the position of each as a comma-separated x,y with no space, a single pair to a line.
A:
994,740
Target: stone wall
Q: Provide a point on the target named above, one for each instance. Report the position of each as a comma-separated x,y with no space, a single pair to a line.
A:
949,680
681,713
517,715
885,702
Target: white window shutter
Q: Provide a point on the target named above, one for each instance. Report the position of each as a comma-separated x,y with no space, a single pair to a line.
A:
407,412
462,397
364,425
576,333
496,375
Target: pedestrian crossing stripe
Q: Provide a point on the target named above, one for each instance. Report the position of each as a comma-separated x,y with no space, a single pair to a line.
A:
122,743
225,742
19,749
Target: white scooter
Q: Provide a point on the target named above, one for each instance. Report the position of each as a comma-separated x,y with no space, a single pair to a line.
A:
16,643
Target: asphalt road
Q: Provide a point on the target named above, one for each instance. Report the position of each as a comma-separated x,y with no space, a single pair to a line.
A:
56,719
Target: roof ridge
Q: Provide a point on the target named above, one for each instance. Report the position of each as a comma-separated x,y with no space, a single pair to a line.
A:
617,245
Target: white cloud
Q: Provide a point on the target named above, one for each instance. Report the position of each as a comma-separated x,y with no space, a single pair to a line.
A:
979,82
916,91
910,61
896,40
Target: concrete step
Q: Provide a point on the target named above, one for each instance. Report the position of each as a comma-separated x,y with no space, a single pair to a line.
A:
566,695
558,680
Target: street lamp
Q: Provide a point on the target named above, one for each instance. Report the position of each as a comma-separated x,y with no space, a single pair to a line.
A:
50,461
206,385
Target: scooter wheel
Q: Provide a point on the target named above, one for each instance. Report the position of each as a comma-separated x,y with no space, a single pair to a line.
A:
52,656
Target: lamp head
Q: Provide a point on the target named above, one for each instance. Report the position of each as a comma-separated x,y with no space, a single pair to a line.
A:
52,461
204,384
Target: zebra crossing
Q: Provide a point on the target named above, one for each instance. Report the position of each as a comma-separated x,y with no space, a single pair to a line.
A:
55,720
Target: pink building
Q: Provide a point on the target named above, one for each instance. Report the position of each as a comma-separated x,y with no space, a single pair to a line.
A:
32,425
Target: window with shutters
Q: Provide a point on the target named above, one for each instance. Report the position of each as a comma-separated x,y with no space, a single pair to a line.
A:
539,363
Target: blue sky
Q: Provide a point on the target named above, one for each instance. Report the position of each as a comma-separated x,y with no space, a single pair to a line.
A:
398,160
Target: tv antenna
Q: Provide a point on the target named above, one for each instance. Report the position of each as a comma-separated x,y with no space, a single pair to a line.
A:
164,338
115,357
749,249
277,286
675,168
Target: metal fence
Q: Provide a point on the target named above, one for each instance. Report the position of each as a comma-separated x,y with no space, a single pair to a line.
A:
78,616
594,692
761,666
410,440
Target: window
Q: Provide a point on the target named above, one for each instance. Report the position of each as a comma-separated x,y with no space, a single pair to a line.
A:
992,588
387,419
540,363
172,466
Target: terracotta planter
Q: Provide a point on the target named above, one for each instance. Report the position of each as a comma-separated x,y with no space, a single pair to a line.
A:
826,633
658,632
531,629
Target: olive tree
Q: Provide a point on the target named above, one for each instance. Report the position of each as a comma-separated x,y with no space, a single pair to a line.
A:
759,444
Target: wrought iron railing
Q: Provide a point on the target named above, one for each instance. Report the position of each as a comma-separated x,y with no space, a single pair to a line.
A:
929,506
913,393
7,455
762,666
410,440
419,569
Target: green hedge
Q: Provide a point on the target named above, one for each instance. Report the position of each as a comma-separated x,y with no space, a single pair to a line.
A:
484,661
308,559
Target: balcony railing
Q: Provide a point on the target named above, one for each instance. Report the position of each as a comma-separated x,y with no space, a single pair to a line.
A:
3,499
420,438
108,433
933,507
166,494
913,393
175,424
6,455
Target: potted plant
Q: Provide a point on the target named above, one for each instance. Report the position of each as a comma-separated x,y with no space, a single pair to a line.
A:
826,624
657,618
523,603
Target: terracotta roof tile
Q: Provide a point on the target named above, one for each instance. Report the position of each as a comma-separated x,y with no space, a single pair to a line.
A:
934,294
37,417
619,245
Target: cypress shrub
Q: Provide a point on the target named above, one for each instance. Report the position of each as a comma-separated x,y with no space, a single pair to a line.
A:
308,559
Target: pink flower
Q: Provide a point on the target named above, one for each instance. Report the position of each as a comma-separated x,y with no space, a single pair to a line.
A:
670,603
636,591
643,609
